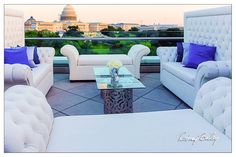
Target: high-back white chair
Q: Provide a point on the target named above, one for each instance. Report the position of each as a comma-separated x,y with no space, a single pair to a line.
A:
211,27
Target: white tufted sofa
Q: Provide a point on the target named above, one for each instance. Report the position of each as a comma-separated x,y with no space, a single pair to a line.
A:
30,127
209,27
81,66
40,77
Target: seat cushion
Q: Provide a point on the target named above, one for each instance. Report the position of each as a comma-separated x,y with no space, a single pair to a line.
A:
136,132
176,68
103,59
40,72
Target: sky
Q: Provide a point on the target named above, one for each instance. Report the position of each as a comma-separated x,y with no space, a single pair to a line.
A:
141,14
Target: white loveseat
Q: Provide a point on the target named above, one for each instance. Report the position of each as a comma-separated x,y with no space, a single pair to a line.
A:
30,126
40,77
209,27
81,66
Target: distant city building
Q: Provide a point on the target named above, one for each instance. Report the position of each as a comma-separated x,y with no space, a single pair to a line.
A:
97,26
157,27
30,24
68,14
68,17
125,26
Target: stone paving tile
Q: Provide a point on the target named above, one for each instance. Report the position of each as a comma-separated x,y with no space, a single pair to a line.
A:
142,92
87,90
164,96
59,114
146,105
150,82
64,100
86,108
66,84
162,87
53,91
182,105
153,75
59,77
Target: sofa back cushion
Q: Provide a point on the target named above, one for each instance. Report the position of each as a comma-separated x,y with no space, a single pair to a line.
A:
213,102
212,27
28,120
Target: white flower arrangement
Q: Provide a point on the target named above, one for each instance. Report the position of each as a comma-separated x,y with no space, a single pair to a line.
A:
114,63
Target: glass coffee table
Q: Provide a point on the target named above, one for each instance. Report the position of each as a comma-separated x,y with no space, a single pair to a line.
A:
117,98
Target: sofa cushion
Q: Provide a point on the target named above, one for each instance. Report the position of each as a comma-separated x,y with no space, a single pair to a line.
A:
40,72
176,68
103,59
143,132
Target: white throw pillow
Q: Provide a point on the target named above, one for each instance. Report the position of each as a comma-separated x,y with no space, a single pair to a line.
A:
30,54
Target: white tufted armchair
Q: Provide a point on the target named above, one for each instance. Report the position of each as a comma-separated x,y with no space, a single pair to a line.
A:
30,127
209,27
40,77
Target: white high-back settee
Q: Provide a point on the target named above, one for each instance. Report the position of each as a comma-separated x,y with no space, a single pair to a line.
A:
30,126
40,77
209,27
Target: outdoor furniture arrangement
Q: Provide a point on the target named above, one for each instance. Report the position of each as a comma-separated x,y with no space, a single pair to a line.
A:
30,126
208,27
118,98
81,66
41,76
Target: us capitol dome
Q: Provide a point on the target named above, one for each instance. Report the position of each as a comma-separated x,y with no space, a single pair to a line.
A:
68,14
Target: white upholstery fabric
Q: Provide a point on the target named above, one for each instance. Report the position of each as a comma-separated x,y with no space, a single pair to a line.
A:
81,66
102,59
17,74
13,28
28,120
40,72
212,69
46,54
138,132
213,102
28,125
209,27
185,74
213,29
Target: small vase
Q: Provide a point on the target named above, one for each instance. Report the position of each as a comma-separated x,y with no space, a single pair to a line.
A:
114,76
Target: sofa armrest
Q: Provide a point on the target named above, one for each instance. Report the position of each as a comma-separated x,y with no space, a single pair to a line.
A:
46,54
17,74
167,54
71,53
212,69
136,52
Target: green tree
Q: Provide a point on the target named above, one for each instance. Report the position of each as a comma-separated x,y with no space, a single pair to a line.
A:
133,29
73,31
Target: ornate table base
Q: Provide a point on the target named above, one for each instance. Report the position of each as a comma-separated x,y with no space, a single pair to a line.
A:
117,100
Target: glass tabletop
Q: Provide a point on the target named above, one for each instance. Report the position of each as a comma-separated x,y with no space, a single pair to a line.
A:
126,79
105,72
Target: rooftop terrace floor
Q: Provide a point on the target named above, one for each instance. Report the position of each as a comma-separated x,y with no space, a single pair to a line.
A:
83,98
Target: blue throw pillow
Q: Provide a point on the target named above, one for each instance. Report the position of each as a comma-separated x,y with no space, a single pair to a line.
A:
16,55
198,54
180,51
186,53
36,57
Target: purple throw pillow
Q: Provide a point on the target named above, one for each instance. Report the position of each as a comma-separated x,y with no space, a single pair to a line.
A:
198,54
16,55
180,51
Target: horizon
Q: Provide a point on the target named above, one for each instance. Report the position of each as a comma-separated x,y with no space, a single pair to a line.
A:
162,14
